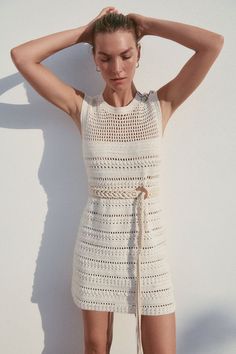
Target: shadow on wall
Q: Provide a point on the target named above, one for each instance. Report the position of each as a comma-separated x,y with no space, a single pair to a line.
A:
63,178
210,333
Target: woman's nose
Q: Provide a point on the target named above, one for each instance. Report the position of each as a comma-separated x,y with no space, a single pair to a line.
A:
117,66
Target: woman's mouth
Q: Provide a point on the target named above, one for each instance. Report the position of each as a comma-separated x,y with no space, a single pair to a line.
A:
120,79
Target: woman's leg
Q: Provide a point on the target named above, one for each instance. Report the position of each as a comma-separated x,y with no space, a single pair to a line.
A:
98,331
159,334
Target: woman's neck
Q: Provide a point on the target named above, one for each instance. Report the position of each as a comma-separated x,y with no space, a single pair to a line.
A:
119,98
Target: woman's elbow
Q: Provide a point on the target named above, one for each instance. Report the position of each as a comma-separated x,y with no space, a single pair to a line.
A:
14,55
220,41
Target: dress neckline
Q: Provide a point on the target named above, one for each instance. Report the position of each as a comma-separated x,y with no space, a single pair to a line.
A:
126,108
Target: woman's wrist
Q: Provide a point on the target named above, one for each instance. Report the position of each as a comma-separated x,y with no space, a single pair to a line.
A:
141,23
147,25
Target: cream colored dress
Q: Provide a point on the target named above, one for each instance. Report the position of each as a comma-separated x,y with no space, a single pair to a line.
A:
120,261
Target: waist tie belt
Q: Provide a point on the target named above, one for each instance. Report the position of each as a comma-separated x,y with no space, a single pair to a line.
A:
141,193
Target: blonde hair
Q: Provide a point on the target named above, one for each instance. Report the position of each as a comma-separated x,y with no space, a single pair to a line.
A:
113,22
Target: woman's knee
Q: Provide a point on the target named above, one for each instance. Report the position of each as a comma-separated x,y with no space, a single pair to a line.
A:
95,345
98,328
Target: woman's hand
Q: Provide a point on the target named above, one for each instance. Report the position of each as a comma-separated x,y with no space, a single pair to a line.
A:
87,34
140,22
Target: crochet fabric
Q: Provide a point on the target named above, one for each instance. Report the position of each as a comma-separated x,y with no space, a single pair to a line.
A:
121,152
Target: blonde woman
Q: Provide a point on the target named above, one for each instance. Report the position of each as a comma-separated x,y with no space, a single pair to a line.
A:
120,262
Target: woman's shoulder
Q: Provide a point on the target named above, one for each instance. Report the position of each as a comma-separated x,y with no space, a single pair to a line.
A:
91,99
146,94
149,95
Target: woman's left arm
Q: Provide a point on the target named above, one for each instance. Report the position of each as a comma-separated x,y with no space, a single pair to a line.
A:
206,44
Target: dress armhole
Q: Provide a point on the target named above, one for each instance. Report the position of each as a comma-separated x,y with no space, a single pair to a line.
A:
157,105
84,111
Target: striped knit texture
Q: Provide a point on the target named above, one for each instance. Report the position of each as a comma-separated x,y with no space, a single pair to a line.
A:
122,150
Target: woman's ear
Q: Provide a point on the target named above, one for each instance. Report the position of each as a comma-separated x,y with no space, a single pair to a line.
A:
93,54
139,50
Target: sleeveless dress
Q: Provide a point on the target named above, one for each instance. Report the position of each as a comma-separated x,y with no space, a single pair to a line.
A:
120,261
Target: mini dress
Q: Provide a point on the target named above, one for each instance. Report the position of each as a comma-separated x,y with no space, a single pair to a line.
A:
120,260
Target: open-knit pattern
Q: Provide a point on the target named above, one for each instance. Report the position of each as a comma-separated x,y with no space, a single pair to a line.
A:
120,261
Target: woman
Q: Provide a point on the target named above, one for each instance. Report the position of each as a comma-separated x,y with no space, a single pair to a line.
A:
121,131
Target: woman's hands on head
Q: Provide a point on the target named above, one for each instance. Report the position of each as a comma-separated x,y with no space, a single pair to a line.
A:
140,22
138,19
87,34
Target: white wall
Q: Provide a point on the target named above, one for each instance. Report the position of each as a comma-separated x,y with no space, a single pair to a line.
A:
43,182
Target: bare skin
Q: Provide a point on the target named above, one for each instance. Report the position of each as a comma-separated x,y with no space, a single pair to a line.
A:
158,332
119,59
98,331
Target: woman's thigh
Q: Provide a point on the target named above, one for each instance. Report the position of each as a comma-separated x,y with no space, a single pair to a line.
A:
159,334
98,329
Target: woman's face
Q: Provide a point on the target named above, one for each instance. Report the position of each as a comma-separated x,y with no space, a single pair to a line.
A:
116,56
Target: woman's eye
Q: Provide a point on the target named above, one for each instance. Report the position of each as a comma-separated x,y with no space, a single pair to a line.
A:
125,58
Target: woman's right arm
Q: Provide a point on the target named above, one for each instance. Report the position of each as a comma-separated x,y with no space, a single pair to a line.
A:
27,58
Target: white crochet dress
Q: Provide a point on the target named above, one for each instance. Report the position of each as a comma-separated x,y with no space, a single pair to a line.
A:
120,261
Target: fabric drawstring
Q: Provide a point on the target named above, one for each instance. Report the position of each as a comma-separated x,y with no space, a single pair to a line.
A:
141,193
142,223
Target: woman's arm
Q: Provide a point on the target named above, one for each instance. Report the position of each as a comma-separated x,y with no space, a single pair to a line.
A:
206,44
39,49
27,58
193,37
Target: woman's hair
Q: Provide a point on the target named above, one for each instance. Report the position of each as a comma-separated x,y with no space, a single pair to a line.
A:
113,22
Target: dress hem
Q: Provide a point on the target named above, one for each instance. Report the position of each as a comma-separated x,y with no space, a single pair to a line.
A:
129,309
